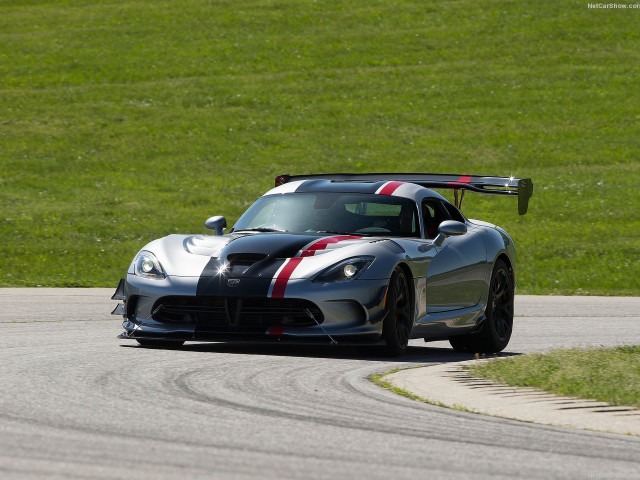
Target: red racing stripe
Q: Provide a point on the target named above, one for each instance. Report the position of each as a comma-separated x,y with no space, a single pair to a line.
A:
321,244
283,277
462,179
389,188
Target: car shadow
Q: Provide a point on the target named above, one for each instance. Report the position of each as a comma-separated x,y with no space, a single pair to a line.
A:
372,353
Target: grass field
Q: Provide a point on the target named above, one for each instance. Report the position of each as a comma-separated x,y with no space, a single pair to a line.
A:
123,121
603,374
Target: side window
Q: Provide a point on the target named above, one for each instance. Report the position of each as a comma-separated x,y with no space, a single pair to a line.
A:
454,213
433,213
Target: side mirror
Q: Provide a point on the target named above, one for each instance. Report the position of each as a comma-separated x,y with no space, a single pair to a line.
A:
449,228
217,223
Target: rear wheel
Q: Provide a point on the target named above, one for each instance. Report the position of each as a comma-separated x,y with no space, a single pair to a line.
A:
159,343
496,329
396,328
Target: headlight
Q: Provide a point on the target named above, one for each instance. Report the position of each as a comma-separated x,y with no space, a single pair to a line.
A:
147,265
346,270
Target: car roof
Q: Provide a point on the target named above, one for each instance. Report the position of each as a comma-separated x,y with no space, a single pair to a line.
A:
400,189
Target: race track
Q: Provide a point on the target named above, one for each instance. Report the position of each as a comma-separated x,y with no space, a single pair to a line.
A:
75,402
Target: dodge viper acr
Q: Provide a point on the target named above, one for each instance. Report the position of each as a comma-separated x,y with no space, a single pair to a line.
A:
337,258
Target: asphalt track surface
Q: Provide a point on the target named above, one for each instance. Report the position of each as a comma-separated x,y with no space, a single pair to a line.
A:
77,403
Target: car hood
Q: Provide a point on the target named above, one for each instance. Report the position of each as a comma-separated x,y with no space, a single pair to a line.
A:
274,245
253,254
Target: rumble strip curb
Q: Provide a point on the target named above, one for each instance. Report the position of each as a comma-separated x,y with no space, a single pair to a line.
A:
451,386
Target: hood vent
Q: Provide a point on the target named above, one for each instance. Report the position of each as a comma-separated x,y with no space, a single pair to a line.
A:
245,259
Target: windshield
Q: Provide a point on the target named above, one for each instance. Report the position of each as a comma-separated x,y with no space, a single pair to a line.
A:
362,214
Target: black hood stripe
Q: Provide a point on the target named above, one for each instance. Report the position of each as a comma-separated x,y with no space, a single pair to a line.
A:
256,280
216,280
268,276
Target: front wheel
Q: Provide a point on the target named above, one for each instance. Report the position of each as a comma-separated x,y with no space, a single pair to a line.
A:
396,328
496,329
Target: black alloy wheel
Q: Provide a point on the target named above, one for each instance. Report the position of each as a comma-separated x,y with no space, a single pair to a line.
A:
501,298
495,332
396,328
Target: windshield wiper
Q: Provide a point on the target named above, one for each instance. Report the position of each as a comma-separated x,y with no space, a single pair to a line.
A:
260,229
345,233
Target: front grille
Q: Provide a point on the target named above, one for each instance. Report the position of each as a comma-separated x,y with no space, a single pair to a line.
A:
213,313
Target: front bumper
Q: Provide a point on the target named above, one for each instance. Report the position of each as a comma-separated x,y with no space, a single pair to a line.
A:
169,309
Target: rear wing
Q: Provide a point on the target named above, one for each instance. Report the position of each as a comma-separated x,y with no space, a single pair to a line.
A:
520,187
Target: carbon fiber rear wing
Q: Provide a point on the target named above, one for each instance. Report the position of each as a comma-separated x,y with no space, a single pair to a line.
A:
520,187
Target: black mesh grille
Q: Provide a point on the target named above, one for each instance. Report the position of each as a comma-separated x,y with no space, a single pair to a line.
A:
223,314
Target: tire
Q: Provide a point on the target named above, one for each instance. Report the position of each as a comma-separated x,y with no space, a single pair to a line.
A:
160,343
396,328
495,332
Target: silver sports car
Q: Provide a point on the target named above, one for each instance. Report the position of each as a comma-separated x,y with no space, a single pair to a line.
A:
336,258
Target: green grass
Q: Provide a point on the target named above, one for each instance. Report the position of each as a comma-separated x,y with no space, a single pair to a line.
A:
123,121
381,380
603,374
